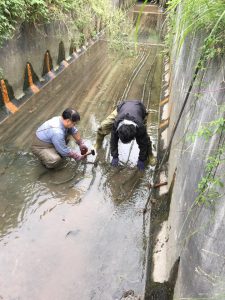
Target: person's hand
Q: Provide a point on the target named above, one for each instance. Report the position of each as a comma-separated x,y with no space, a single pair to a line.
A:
115,162
77,156
141,165
83,149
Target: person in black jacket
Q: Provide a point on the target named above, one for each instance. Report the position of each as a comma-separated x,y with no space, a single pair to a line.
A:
126,123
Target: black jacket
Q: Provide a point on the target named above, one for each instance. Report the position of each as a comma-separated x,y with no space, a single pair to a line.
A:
135,111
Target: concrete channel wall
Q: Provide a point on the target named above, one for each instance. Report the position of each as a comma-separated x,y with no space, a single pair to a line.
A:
30,45
25,55
195,232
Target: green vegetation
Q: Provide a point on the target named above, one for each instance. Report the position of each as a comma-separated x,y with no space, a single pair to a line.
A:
119,30
10,12
82,18
204,16
202,19
208,185
210,129
138,22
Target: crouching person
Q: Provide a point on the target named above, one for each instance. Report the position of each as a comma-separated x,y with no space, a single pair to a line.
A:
126,123
51,139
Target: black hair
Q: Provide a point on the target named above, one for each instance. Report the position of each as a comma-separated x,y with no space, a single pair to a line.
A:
71,114
127,133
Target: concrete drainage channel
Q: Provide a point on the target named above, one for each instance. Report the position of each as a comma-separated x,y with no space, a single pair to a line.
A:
79,233
160,281
32,83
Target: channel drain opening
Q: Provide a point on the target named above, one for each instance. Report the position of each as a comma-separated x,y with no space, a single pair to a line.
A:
48,65
30,78
6,99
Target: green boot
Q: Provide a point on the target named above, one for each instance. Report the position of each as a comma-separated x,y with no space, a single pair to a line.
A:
152,160
99,141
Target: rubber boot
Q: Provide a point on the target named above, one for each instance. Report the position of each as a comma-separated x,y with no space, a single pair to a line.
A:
99,141
151,158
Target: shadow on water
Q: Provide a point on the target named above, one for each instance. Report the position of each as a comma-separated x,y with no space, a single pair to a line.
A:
77,232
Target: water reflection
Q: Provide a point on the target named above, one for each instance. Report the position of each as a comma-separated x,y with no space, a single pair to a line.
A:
26,185
76,232
16,184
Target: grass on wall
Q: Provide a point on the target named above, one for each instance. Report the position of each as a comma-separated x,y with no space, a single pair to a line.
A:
206,16
79,16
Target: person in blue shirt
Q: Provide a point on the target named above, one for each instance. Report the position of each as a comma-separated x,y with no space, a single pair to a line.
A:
51,139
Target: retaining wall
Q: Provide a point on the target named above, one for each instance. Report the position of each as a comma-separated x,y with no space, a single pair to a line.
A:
31,44
195,232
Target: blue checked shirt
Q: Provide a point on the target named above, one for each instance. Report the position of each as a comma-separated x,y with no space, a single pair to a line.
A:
53,131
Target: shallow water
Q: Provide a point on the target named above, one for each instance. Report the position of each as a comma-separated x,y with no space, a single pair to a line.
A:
78,232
